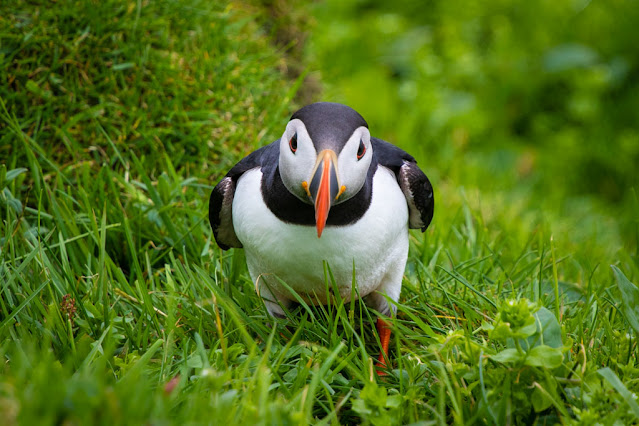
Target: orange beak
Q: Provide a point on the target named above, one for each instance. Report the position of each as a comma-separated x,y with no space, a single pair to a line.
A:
324,188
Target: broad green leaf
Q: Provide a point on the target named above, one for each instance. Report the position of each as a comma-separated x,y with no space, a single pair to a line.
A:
394,401
549,327
501,331
540,400
195,361
360,407
569,292
630,298
527,330
507,355
544,356
547,332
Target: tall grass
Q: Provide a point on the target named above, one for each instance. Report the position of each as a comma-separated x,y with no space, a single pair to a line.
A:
117,307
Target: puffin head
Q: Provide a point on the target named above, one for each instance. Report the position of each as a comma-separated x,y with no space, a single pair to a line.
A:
325,153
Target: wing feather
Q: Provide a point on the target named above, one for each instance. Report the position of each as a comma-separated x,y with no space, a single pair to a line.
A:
411,179
419,195
221,214
221,201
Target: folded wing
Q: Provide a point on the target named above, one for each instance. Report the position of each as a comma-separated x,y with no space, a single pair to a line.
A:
221,201
412,181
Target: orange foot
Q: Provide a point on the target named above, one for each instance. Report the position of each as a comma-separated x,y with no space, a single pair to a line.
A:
384,331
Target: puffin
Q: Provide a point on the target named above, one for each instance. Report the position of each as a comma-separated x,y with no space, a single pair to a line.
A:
326,192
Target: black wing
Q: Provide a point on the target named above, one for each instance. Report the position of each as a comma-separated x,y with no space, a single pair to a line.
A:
221,201
413,182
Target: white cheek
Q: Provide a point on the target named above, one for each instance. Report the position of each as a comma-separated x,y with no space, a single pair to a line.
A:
296,166
353,171
358,173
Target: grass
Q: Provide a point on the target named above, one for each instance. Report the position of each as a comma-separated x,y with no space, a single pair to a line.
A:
117,307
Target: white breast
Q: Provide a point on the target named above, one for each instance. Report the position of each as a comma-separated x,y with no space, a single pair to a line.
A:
376,245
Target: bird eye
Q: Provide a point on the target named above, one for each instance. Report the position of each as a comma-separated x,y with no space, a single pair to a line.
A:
293,143
362,150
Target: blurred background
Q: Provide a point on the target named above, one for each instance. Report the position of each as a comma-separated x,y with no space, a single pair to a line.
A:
532,105
117,118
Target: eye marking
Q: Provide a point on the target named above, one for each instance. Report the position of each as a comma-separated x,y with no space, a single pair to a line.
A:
292,143
362,150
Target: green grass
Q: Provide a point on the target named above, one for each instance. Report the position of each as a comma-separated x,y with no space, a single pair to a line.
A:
116,119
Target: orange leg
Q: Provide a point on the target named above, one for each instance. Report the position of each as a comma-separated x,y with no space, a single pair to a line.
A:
384,331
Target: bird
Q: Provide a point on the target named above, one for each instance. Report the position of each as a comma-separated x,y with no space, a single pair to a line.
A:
326,191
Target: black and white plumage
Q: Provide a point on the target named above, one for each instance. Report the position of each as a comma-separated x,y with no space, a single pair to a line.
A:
325,191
